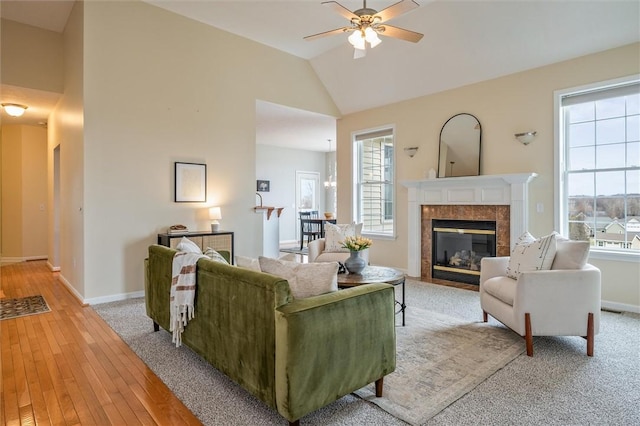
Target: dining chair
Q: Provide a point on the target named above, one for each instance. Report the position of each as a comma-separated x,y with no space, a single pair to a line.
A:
310,226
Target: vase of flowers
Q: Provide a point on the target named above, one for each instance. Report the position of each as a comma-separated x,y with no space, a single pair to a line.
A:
355,263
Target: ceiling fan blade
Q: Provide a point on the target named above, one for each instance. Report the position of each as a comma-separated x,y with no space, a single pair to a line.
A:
403,6
328,33
401,33
338,8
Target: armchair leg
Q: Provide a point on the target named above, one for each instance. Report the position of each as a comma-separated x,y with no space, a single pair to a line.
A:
485,316
528,337
590,334
379,383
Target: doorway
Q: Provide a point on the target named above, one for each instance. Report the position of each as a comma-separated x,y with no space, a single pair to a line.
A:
307,194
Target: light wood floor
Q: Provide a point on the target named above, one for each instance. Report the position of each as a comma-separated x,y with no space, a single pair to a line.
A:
67,367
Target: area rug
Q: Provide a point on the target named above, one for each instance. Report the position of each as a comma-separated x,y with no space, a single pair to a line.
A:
440,359
22,306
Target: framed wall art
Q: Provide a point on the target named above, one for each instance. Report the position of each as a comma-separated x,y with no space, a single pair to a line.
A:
190,183
262,185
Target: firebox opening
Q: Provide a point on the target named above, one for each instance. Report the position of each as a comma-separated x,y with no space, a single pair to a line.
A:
458,247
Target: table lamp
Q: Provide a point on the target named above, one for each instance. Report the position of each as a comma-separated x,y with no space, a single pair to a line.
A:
215,215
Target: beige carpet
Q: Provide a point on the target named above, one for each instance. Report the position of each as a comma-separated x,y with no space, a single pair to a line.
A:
439,359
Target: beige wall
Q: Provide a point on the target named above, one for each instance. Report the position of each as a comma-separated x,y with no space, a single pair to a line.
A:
24,193
504,106
66,247
159,89
31,57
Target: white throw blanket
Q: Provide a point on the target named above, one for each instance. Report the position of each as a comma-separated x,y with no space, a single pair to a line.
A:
183,292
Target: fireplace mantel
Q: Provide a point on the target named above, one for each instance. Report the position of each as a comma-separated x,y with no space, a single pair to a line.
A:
508,189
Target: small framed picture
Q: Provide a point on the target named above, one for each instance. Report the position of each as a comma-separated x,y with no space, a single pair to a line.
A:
262,186
190,183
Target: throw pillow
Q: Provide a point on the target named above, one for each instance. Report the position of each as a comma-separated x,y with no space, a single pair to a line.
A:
530,254
187,245
248,263
215,256
334,235
254,264
571,254
305,279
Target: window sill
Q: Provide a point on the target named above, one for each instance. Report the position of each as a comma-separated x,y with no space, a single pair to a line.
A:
618,256
374,236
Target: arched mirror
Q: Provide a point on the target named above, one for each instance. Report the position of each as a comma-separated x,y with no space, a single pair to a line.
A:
460,140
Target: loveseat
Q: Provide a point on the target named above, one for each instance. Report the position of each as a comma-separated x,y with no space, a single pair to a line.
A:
296,355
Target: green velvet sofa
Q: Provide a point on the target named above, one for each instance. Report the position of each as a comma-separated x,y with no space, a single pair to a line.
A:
296,355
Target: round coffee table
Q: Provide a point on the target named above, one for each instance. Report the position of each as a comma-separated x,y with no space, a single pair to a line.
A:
376,274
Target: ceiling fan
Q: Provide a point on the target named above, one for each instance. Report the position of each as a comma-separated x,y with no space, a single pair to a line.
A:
366,24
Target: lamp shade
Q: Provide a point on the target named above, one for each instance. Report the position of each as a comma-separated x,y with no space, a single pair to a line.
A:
215,213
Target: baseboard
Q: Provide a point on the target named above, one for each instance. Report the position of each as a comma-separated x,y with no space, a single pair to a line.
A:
71,290
53,268
114,297
22,259
623,307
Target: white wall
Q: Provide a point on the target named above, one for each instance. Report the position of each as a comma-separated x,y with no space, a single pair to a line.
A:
66,126
505,106
160,88
279,165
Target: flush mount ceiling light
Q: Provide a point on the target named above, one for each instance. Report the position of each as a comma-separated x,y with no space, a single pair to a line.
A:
367,23
14,110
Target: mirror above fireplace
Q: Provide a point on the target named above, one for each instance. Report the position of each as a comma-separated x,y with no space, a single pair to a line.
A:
460,141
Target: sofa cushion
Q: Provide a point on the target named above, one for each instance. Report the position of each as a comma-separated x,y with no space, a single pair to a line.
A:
215,256
502,288
188,246
530,254
254,264
305,279
571,254
335,234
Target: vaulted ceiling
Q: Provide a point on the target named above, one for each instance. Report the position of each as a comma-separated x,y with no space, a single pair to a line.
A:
464,41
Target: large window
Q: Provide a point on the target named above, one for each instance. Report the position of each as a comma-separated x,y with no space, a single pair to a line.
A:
374,195
598,163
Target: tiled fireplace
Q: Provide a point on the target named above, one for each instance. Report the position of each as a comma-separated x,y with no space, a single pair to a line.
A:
499,198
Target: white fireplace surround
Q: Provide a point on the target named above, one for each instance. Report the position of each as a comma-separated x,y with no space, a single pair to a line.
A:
511,190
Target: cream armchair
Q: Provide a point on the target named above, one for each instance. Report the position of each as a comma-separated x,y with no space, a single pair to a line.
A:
555,302
317,253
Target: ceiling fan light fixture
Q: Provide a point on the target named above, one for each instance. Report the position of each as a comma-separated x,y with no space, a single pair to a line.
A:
357,40
371,36
14,110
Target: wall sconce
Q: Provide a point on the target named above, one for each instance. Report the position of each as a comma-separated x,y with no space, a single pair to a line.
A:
411,151
215,215
526,137
14,110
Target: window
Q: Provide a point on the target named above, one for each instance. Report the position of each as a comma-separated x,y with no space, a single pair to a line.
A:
598,161
374,193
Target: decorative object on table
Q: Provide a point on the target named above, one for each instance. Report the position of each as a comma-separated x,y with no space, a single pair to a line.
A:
328,215
215,215
262,185
341,268
190,183
355,264
177,229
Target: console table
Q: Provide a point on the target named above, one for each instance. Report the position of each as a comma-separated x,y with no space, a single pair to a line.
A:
219,240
